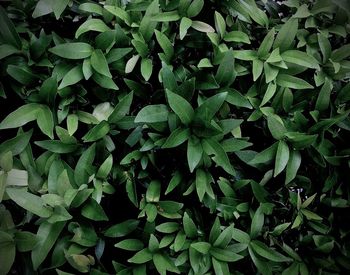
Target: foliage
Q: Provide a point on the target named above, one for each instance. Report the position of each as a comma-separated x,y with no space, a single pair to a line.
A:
185,136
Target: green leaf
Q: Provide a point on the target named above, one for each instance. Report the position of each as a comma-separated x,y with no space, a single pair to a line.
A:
59,7
270,92
292,166
176,138
226,74
7,248
28,201
45,121
181,107
220,24
286,35
195,8
288,81
189,226
74,50
185,24
323,98
47,235
94,211
72,77
91,8
8,31
165,44
201,247
21,116
97,132
17,144
72,123
225,255
56,146
130,245
300,58
168,16
146,68
302,12
237,36
141,257
81,172
276,126
282,157
25,241
147,25
7,50
130,65
105,168
211,146
202,27
22,74
152,114
267,43
120,13
91,25
268,253
325,46
201,183
122,229
99,63
121,109
211,106
224,238
257,223
105,82
194,152
246,55
153,191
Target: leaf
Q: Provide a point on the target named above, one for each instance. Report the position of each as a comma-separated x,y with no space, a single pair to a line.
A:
288,81
211,106
201,183
268,253
323,98
185,24
237,36
201,247
91,25
325,46
300,58
225,255
94,211
181,107
176,138
25,241
81,172
147,25
59,7
286,34
211,146
194,152
28,201
122,229
202,27
7,50
292,166
97,132
120,13
143,256
130,245
195,8
47,235
99,63
224,238
276,126
168,16
130,65
7,249
257,223
121,109
152,114
91,8
282,157
226,74
270,92
21,116
72,123
146,68
8,31
153,191
42,8
72,77
22,74
220,24
45,121
17,144
74,50
105,168
267,43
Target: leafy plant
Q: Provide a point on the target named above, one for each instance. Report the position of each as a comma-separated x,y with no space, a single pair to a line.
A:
186,137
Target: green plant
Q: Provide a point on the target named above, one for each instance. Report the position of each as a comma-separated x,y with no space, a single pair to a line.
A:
185,136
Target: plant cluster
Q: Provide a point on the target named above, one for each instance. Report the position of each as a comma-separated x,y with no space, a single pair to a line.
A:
174,137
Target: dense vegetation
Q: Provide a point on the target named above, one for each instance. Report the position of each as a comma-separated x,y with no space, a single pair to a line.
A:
183,136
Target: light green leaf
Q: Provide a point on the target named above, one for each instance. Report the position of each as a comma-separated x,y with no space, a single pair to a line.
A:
45,121
168,16
288,81
268,253
220,24
181,107
146,68
185,24
99,63
74,50
72,77
202,27
152,114
300,58
237,36
91,25
21,116
195,8
286,35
